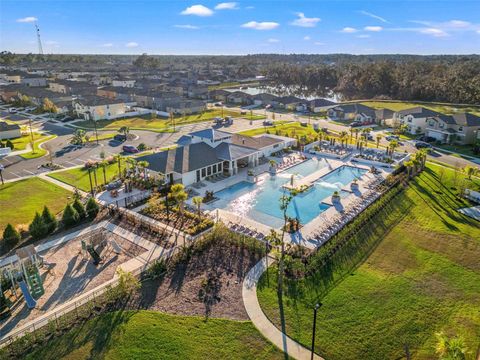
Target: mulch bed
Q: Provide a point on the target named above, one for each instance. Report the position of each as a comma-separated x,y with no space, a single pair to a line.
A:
209,284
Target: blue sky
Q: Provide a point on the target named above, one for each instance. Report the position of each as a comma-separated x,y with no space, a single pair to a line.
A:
243,27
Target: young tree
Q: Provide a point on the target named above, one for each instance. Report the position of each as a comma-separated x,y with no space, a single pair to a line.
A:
78,137
37,227
178,194
49,220
125,130
197,201
79,208
11,237
70,216
284,202
92,208
103,164
378,138
450,348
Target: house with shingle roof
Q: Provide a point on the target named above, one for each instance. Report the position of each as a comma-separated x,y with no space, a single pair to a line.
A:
9,131
415,119
461,128
353,112
205,153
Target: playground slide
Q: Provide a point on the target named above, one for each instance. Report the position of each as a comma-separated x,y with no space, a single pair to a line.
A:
96,258
31,303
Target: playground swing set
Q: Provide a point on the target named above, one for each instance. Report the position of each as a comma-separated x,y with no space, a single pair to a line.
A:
22,277
94,244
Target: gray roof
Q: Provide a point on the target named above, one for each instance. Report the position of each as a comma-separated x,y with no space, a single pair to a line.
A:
226,151
321,102
289,99
265,97
419,112
384,113
211,134
93,100
7,127
356,108
257,142
461,119
182,159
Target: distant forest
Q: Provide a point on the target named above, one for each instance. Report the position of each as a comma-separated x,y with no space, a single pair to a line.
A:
443,78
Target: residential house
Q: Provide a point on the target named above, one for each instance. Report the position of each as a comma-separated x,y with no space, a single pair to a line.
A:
12,77
461,128
414,118
320,105
291,103
9,131
353,112
34,80
219,95
70,87
128,83
384,116
99,108
186,107
239,98
210,152
265,99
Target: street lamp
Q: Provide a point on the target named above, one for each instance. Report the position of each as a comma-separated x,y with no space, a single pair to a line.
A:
267,248
316,307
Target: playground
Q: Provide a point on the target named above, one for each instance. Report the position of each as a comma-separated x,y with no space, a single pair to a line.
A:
37,279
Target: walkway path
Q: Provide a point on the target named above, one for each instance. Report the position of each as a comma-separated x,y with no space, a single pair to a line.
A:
261,322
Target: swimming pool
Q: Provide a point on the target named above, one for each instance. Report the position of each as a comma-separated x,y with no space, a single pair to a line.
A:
260,201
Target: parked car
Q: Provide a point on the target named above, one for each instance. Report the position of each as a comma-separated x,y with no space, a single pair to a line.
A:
427,139
120,137
130,149
66,119
392,137
12,110
268,123
217,104
423,145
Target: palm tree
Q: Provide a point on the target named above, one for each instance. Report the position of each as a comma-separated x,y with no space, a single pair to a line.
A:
125,130
392,145
409,165
177,192
132,163
103,164
470,171
450,349
378,138
356,134
284,202
118,158
343,137
198,201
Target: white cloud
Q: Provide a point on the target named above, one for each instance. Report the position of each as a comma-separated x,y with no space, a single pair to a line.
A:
349,30
227,6
478,31
373,16
198,10
250,7
363,36
265,25
107,45
373,28
303,21
28,19
458,23
434,32
131,44
306,38
319,43
272,40
187,26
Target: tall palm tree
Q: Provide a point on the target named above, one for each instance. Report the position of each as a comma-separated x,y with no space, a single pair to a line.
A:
409,165
285,200
392,145
198,201
177,192
118,158
378,138
132,163
343,137
103,164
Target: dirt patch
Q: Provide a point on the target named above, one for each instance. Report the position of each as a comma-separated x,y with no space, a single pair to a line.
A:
209,284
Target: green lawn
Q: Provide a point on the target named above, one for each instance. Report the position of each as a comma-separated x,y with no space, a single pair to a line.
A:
152,335
422,278
283,128
79,178
22,142
402,105
163,124
37,150
20,200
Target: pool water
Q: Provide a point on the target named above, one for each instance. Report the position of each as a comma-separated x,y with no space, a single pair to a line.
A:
260,201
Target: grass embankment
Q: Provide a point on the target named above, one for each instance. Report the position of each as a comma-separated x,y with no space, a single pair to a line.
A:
441,108
20,200
22,142
422,278
152,335
37,150
78,177
163,124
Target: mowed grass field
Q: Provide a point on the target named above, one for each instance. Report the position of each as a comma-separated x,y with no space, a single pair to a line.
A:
422,278
152,335
164,124
402,105
78,177
20,200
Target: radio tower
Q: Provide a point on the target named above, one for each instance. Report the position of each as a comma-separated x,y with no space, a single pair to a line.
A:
40,49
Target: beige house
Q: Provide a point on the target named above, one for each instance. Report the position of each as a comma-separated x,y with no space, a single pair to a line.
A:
98,108
415,119
462,128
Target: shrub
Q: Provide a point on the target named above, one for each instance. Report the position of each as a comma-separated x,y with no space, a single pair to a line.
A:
11,237
49,220
37,227
10,145
78,206
92,208
70,216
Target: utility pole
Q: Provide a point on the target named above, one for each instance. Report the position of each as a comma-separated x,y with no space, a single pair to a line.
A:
39,41
1,173
315,309
31,134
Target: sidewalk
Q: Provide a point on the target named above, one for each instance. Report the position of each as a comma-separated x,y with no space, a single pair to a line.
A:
261,322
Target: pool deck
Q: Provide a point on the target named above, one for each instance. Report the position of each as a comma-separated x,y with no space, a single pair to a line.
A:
311,228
